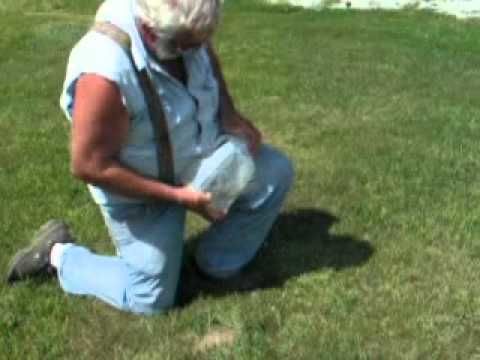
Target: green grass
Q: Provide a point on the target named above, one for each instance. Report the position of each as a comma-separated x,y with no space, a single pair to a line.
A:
376,255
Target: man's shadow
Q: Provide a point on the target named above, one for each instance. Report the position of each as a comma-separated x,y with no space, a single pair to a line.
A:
299,243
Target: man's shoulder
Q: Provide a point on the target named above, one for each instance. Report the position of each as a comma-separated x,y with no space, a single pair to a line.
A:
98,49
97,54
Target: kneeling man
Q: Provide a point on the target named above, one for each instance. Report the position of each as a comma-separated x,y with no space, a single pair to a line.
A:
115,151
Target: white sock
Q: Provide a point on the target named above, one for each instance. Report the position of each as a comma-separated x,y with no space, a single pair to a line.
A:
56,253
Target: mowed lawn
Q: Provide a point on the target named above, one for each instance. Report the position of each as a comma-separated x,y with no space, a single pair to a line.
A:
376,254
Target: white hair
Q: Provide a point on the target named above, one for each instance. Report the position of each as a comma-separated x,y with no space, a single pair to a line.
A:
170,16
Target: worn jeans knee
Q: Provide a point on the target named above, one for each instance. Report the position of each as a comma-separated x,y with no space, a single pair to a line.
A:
146,294
153,281
283,170
149,240
274,178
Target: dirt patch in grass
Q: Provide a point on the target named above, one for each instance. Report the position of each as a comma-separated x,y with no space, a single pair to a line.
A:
215,338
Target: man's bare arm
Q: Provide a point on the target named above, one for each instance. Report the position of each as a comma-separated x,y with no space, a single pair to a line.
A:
227,106
233,121
100,128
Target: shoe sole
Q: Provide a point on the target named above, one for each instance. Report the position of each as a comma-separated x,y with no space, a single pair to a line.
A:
10,278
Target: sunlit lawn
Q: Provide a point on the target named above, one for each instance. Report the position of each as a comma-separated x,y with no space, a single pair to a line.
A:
376,255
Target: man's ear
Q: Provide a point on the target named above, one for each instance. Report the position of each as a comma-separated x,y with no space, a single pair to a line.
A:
148,34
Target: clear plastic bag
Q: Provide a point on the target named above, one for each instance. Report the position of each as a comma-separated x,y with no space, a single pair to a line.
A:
225,173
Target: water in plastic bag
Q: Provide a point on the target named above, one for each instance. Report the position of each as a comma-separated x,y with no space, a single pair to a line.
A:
225,173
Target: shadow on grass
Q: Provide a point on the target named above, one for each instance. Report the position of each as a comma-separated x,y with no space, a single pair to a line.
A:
299,242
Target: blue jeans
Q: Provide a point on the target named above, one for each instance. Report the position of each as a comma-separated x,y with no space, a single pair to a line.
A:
144,275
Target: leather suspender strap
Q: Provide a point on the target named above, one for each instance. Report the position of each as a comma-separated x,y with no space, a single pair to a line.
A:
154,105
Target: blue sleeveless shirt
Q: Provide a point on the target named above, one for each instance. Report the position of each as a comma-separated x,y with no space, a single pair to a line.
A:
191,111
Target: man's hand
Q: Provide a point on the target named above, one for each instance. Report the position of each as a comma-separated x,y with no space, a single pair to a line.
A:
199,202
236,124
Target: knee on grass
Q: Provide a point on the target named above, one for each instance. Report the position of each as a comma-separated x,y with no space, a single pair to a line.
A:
149,298
283,170
151,292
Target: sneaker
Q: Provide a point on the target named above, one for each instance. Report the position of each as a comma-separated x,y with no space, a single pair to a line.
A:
35,259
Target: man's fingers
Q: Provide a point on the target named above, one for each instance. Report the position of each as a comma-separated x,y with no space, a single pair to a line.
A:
259,136
215,214
202,199
191,197
252,148
254,143
254,140
206,196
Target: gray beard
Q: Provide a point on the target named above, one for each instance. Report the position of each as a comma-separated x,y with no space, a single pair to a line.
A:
162,53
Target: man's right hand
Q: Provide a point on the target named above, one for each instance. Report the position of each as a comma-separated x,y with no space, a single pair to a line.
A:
199,202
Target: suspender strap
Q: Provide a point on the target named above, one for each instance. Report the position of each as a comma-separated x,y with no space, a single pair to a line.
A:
154,105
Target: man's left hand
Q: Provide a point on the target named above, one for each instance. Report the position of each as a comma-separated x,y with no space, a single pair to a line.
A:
238,125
